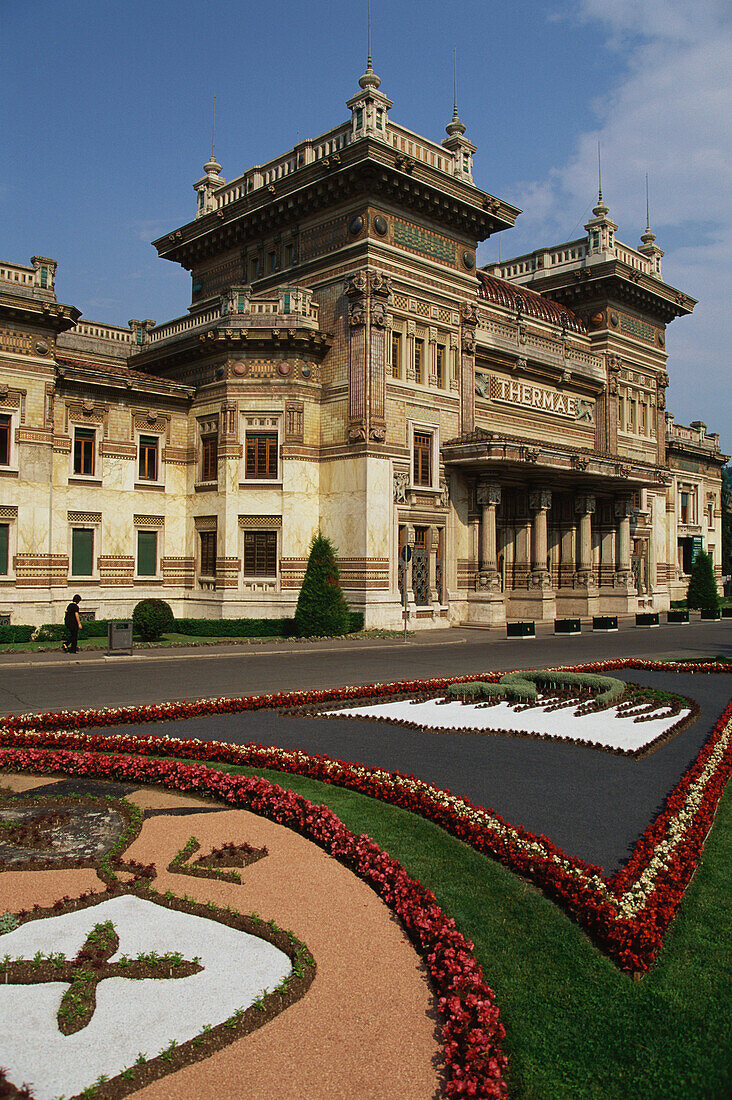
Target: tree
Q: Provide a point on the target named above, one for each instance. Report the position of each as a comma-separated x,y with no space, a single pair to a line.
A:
321,608
702,591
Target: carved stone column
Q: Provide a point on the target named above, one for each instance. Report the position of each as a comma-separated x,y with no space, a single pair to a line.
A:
540,501
488,497
585,507
623,511
468,323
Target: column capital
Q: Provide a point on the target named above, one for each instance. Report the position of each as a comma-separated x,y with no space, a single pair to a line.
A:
487,493
584,503
623,507
540,499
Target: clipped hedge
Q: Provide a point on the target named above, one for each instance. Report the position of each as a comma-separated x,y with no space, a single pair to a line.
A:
10,634
235,628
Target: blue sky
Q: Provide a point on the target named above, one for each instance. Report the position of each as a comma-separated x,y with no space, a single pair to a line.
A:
107,112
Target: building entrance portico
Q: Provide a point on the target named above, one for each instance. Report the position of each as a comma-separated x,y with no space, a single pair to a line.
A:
551,543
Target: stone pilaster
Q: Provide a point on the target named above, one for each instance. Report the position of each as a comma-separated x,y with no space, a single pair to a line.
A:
356,292
468,323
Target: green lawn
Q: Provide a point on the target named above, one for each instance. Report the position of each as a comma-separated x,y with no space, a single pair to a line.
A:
576,1027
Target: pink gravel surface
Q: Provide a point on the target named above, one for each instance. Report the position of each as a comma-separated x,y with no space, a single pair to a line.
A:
366,1029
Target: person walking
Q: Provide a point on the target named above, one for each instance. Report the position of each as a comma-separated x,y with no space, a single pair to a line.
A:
72,622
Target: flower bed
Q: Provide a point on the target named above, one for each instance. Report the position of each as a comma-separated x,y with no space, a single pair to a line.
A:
627,914
472,1032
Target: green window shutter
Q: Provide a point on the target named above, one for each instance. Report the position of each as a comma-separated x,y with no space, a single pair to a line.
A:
4,541
82,551
147,553
44,276
287,303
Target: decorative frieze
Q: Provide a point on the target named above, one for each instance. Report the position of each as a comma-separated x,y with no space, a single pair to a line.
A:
84,517
260,523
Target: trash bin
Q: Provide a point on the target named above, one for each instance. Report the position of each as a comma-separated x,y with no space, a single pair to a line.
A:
119,638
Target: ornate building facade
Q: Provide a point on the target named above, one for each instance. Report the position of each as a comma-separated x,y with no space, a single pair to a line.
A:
344,366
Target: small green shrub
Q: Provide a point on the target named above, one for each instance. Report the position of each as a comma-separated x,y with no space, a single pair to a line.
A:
321,609
356,621
8,922
152,618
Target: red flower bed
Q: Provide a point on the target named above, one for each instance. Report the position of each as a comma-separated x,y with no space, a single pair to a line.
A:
472,1032
627,914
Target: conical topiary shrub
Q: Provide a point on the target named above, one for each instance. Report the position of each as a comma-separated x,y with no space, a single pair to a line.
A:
321,608
702,591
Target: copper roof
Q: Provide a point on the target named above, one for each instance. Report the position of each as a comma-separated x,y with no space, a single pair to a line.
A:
528,302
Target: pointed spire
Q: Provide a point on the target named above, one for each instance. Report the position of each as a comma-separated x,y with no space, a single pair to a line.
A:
455,126
602,208
212,166
369,78
648,237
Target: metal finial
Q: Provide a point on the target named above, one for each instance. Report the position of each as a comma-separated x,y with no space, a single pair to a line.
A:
454,81
648,216
213,128
599,174
368,62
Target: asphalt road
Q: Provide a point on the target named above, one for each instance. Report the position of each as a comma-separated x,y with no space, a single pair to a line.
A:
592,804
54,681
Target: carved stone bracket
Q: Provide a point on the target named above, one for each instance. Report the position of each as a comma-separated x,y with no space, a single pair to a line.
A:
539,580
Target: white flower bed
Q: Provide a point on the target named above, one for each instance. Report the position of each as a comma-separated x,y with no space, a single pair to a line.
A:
606,727
131,1015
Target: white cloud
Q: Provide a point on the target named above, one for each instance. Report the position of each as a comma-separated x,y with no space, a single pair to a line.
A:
669,114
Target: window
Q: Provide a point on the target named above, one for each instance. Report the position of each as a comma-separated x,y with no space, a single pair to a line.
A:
84,451
4,549
148,458
422,458
261,455
82,551
418,360
359,117
396,355
289,254
260,553
147,553
685,510
208,553
273,261
440,364
710,514
379,119
209,458
5,436
254,267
